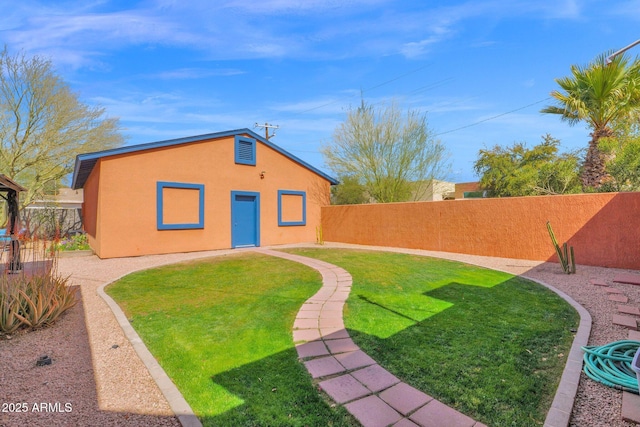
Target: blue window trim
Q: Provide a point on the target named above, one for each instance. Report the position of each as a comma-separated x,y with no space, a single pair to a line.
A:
160,186
235,193
237,140
281,193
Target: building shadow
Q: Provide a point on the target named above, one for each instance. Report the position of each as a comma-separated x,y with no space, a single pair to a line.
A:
475,345
261,385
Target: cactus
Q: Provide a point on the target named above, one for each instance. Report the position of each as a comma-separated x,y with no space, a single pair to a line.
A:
319,238
567,259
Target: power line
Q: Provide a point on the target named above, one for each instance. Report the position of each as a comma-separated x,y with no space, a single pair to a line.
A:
365,90
492,118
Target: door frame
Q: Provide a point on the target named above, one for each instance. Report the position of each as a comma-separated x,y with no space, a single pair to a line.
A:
256,197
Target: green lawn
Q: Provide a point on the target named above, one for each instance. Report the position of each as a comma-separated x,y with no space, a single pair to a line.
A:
487,343
221,329
484,342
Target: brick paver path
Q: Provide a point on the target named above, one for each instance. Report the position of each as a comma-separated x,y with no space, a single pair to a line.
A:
347,374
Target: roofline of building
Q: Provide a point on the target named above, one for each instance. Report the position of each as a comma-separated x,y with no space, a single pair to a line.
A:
85,162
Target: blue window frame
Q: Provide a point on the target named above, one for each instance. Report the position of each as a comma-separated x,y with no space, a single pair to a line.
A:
160,186
245,150
303,221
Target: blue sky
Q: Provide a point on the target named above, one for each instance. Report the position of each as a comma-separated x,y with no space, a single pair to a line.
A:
171,69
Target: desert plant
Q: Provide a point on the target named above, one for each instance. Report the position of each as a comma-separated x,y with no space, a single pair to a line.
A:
9,306
77,242
319,238
567,259
37,297
43,299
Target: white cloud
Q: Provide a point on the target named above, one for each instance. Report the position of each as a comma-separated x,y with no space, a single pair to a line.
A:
197,73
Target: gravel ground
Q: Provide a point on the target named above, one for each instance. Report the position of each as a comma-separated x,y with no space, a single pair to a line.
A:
91,382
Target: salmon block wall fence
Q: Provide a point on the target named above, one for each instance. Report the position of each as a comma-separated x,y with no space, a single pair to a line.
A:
604,229
216,191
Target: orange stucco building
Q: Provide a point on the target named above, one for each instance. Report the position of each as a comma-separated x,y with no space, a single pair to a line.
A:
215,191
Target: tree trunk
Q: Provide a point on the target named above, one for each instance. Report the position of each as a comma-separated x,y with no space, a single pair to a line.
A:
593,171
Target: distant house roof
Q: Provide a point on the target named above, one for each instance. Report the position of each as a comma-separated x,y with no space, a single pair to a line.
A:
86,162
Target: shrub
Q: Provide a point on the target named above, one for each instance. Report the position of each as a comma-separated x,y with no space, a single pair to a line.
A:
77,242
37,295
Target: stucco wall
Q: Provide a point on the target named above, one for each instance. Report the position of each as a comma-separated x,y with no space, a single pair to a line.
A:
604,229
90,207
126,210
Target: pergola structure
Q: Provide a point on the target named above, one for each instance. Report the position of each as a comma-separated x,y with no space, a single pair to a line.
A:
12,190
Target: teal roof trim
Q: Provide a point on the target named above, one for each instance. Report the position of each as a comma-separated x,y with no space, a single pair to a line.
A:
86,162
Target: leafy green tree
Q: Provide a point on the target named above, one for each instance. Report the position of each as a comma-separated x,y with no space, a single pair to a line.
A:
348,192
598,94
622,153
387,152
43,125
520,171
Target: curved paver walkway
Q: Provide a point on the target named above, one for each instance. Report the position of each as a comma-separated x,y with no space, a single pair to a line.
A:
347,374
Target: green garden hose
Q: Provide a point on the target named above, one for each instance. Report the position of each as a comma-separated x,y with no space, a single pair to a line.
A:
610,364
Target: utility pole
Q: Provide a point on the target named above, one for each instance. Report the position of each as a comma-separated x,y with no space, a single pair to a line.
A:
266,127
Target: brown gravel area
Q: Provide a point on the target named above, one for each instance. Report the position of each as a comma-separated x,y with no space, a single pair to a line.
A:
107,386
99,384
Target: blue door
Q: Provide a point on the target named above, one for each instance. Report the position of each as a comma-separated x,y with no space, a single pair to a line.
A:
245,219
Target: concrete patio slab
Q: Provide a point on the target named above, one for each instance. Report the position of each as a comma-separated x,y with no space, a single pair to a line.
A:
404,398
355,359
375,378
323,366
342,345
331,332
634,335
630,407
405,422
311,306
344,389
610,290
618,298
626,321
598,283
308,314
437,414
335,335
330,314
371,411
629,309
339,296
306,335
305,324
332,323
628,278
312,349
333,306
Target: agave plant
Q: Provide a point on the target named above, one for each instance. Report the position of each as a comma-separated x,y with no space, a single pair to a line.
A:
9,306
36,298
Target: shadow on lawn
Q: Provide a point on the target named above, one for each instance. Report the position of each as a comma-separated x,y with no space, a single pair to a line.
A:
262,384
494,354
474,345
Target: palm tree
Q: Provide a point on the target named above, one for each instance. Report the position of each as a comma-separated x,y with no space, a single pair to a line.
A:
598,94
